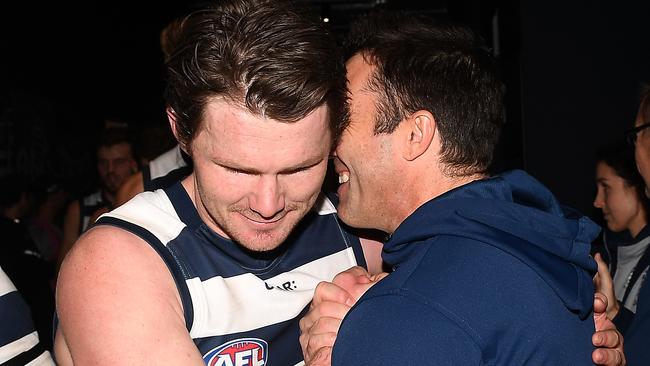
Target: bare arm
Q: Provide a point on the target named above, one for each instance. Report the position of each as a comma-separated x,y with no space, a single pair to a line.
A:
71,223
118,304
132,186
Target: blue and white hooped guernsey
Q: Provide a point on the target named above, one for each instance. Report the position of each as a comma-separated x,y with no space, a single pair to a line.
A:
240,308
19,341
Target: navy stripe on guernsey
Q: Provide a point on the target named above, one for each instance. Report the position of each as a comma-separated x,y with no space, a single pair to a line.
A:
235,300
19,342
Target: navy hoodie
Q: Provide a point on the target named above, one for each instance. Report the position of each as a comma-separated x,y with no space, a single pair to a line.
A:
495,272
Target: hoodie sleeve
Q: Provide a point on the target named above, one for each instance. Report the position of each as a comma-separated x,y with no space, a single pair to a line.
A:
416,334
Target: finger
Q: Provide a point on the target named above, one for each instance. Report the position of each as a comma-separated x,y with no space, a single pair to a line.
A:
351,277
311,344
609,338
329,292
600,302
609,357
325,309
323,357
357,271
319,341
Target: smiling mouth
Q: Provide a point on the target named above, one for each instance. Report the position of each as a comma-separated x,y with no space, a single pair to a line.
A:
340,168
264,223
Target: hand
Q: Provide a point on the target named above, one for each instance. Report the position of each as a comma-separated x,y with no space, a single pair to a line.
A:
356,281
607,338
332,301
604,284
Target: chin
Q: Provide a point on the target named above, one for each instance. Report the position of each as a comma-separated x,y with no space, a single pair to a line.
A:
263,242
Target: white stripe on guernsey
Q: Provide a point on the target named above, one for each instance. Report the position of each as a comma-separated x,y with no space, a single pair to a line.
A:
241,303
162,220
45,359
6,286
11,350
324,206
152,211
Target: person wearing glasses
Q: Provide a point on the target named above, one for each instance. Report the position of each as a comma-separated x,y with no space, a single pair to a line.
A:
631,313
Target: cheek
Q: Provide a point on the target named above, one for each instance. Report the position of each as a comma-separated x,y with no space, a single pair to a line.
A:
620,205
221,188
303,186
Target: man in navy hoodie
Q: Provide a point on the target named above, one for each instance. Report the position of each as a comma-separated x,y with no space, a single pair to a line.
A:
486,270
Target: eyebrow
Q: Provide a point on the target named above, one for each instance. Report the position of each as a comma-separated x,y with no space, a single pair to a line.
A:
236,167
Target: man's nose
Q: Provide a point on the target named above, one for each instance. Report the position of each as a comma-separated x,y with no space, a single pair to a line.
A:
268,200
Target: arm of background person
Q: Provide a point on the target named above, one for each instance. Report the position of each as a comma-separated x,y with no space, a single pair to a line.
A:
131,187
118,304
71,227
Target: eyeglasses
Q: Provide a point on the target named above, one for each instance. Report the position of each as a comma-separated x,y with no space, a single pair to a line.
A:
630,135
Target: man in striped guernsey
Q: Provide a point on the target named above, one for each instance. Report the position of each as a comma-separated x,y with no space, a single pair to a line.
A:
19,342
218,268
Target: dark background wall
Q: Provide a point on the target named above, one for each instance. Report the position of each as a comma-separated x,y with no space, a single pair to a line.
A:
572,71
581,64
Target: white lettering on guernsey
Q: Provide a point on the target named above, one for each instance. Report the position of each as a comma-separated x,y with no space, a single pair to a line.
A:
242,303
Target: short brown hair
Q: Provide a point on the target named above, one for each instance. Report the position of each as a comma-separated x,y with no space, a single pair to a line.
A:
267,56
423,63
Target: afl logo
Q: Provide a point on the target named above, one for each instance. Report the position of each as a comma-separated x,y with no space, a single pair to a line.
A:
238,352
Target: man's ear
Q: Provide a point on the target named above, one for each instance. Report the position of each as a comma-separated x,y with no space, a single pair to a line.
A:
421,129
171,117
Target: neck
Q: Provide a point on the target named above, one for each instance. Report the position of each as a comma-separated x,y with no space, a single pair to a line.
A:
437,185
637,225
110,197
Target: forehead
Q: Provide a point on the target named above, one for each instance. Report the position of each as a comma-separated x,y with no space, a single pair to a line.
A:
232,132
358,73
119,150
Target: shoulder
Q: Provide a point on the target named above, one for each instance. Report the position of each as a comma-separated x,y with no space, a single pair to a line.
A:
417,332
107,255
147,213
113,283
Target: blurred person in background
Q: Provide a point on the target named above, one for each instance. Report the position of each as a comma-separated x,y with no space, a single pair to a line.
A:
115,163
637,334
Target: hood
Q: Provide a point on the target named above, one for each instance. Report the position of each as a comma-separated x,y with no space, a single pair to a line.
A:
517,214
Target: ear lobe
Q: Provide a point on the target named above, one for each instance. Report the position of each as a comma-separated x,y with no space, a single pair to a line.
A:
422,130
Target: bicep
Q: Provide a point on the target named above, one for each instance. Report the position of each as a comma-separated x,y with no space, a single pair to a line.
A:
118,304
396,330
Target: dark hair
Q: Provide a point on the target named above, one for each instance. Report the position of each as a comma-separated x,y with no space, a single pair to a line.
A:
267,56
115,135
620,157
436,66
118,135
